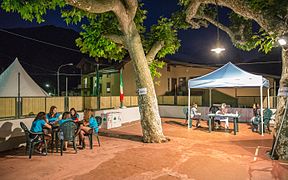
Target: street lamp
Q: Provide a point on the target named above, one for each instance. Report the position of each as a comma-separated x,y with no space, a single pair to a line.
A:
218,49
47,85
283,41
58,87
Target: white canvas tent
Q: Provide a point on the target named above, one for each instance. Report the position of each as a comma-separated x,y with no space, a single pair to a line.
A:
229,76
9,83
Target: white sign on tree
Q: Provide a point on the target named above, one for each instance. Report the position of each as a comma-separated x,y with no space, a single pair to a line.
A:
142,91
283,91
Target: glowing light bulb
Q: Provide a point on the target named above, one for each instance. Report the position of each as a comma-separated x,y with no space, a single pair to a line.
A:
282,41
218,50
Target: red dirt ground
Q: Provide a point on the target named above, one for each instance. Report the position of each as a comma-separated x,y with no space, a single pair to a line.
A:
191,154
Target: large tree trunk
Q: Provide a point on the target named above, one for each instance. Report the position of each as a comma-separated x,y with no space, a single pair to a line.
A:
281,150
148,105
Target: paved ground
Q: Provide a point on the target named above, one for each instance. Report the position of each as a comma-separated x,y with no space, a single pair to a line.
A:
191,154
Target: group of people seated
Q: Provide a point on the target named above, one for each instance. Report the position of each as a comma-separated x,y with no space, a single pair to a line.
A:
194,114
43,123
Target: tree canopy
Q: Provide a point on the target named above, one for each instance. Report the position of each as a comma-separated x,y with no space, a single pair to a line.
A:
270,15
101,35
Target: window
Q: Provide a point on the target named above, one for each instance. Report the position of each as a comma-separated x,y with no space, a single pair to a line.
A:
182,82
108,89
168,84
108,75
168,68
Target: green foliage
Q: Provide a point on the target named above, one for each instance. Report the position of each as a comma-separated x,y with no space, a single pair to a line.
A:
154,67
264,41
178,19
237,22
166,30
30,10
93,39
252,39
274,7
184,2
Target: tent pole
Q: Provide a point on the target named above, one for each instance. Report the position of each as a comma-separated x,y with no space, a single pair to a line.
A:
189,120
210,97
18,97
261,108
268,100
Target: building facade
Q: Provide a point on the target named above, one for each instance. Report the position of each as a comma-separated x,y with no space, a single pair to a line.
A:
173,82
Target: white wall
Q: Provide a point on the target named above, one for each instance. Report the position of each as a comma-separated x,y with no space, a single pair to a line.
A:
11,135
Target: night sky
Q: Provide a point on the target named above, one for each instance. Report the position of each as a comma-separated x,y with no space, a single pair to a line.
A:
195,44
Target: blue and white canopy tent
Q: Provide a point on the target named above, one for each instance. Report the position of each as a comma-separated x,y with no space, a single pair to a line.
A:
229,76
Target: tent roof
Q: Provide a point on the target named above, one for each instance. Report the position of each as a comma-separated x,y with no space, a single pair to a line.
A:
9,83
228,75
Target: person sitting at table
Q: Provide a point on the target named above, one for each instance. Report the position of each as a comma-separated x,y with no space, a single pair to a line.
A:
223,110
89,125
212,110
195,114
65,117
256,117
74,115
38,124
53,115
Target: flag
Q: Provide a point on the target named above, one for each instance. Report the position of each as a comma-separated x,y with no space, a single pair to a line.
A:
121,88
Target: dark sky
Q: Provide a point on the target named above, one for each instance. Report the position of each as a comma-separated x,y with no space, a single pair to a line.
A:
195,44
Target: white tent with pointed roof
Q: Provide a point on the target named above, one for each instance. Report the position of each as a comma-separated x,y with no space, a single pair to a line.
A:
9,83
229,76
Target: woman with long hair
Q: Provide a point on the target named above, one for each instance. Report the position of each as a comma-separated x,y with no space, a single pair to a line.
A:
65,117
53,115
38,124
89,125
74,115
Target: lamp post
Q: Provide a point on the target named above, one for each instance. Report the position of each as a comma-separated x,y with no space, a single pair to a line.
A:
218,49
58,87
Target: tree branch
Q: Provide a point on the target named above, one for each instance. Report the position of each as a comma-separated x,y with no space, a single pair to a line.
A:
191,12
102,6
132,6
115,38
93,6
226,29
268,22
157,46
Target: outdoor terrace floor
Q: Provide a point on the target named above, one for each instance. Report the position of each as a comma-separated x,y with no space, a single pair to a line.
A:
191,154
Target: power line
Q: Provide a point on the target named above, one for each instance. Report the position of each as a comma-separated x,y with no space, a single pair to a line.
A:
38,67
54,74
40,41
